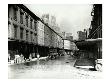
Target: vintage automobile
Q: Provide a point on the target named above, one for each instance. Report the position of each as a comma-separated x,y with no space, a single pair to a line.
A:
53,54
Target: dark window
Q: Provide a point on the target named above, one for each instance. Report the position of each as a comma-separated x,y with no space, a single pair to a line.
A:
21,33
21,17
31,23
35,37
35,25
27,34
27,21
31,36
15,14
9,27
8,11
15,31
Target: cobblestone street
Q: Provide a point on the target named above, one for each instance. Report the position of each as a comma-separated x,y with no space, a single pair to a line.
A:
60,68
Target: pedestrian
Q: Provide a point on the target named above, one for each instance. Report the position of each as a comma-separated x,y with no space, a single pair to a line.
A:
38,56
38,59
17,58
8,57
22,58
30,57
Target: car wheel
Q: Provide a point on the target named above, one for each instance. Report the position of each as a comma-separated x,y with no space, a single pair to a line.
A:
98,67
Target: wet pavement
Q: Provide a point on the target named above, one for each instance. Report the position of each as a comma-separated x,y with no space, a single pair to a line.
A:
60,68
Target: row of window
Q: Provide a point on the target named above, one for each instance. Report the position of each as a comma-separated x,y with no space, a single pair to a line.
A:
26,18
27,34
33,36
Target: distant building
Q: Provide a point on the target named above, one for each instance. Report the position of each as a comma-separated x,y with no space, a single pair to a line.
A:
45,18
81,35
69,36
64,35
69,46
51,21
87,32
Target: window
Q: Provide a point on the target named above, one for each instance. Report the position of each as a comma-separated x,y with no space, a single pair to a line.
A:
35,37
35,25
31,23
27,34
31,36
21,33
15,14
27,21
15,31
21,17
9,26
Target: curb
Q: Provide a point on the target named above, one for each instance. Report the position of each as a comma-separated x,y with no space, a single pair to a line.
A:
35,59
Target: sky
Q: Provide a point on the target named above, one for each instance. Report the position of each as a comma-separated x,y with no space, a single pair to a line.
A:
70,17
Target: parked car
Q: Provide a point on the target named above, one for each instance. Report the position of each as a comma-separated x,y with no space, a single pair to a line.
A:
53,54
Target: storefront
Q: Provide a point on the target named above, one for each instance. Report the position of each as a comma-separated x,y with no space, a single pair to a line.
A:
90,49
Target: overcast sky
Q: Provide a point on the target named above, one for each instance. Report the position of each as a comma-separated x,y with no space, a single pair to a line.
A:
70,18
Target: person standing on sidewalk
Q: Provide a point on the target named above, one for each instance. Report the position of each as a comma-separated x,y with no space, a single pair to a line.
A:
30,57
8,57
38,56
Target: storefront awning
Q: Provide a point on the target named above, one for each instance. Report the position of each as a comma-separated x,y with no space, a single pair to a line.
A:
89,42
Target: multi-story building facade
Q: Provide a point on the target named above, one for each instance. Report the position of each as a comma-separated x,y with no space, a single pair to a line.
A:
51,39
91,48
69,36
96,23
27,33
22,27
96,27
40,33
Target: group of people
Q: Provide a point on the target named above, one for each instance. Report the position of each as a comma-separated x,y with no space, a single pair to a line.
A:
20,58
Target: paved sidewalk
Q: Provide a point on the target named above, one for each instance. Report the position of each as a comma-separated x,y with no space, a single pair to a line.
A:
34,59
